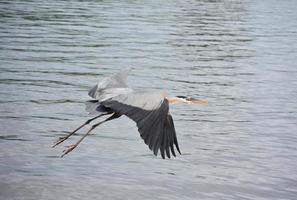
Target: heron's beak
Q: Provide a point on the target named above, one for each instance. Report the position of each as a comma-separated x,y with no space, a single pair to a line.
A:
198,101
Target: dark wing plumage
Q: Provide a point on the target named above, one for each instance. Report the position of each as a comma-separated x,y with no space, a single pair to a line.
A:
94,107
150,112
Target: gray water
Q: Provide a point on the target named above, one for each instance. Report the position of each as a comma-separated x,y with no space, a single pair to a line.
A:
239,55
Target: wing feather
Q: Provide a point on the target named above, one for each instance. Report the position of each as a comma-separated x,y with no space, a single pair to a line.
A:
150,111
118,80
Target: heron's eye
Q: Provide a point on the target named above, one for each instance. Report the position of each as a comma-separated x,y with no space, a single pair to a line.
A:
182,97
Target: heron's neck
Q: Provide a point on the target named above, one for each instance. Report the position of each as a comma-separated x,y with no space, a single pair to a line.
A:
174,100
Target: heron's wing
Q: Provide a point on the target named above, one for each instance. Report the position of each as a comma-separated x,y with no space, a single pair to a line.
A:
150,112
94,107
118,80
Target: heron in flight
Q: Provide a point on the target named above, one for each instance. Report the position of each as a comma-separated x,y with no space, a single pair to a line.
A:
149,109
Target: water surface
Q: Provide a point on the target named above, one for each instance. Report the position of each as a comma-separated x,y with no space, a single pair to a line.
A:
239,55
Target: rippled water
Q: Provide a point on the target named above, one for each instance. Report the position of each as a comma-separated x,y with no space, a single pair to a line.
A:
240,55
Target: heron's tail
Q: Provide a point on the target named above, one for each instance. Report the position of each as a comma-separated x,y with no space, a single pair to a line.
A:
94,107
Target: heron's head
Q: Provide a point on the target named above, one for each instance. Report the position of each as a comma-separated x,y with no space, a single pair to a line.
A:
188,100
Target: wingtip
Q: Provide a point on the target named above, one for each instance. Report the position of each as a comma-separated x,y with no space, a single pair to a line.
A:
167,153
163,154
127,70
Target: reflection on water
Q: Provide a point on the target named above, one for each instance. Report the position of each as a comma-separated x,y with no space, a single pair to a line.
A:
240,55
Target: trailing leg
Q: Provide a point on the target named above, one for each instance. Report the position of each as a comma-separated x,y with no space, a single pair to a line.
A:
62,139
73,146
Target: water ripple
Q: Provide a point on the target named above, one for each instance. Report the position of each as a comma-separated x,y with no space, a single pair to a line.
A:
239,55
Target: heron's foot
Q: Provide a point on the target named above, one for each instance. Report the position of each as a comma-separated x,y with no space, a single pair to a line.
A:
59,141
69,149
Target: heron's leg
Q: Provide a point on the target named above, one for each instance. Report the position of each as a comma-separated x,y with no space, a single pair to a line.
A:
62,139
73,146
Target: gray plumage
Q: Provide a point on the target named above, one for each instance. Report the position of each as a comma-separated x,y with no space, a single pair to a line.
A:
150,111
110,85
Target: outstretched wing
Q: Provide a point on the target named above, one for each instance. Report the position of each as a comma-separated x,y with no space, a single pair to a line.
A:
118,80
150,112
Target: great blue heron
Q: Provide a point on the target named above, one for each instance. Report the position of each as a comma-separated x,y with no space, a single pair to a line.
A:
150,111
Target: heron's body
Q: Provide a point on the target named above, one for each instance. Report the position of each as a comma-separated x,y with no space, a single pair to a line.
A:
149,109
